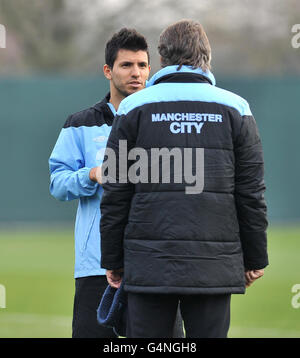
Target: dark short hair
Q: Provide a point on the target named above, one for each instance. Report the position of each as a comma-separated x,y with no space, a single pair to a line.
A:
127,39
185,43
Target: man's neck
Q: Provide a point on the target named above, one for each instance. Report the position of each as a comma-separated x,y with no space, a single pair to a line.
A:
115,103
115,98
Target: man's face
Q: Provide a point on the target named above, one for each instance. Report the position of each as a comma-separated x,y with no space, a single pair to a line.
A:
129,73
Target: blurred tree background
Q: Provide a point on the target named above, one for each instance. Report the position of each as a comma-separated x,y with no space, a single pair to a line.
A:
247,37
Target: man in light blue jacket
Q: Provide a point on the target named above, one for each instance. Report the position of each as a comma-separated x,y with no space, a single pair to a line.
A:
77,155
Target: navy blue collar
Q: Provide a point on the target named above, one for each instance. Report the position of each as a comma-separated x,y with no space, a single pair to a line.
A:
104,109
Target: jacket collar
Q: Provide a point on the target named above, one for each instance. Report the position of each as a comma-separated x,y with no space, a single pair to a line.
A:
171,71
104,109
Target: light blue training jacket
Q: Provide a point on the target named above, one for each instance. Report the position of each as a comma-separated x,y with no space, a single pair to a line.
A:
80,146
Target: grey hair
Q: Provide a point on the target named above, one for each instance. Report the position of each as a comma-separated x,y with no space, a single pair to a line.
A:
185,43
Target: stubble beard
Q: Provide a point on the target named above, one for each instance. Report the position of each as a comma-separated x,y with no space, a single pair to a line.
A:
122,92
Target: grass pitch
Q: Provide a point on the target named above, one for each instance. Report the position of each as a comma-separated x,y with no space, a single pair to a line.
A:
36,269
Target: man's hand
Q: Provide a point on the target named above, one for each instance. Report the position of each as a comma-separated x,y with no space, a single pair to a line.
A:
114,277
95,174
253,275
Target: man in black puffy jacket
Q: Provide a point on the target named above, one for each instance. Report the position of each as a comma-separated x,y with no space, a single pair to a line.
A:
183,211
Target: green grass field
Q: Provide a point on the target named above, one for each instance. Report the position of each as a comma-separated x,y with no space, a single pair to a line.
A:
36,269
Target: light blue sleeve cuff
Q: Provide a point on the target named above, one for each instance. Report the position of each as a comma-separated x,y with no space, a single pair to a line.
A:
85,180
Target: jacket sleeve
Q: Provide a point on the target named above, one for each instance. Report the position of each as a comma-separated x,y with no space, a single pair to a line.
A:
116,198
249,195
69,177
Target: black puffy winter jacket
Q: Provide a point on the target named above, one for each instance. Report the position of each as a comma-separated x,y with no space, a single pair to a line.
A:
169,234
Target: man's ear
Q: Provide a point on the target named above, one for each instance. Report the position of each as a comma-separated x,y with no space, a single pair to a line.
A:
107,71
